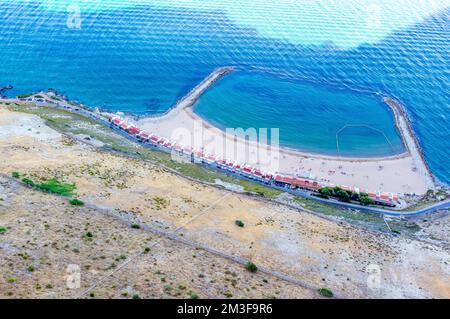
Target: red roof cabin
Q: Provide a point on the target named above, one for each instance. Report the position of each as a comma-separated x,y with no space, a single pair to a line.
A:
134,130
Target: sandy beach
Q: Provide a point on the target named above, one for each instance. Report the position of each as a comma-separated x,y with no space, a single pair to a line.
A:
404,174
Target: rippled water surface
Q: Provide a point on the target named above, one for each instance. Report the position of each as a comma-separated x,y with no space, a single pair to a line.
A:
310,68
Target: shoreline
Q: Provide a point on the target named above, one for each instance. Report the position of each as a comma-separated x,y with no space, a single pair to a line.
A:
219,73
396,174
304,154
411,163
414,148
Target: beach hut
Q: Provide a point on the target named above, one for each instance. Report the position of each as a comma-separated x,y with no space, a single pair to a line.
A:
247,170
134,130
177,147
316,185
209,159
237,166
372,195
219,161
187,150
154,139
285,181
143,135
163,141
117,121
168,144
384,197
125,126
198,154
258,173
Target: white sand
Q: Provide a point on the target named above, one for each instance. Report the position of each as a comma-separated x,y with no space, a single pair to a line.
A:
398,174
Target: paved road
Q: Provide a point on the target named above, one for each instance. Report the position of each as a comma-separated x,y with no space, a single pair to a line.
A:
303,193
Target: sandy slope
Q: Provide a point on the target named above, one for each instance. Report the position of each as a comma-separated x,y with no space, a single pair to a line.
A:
319,252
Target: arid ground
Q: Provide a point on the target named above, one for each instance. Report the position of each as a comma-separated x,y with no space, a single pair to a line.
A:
146,231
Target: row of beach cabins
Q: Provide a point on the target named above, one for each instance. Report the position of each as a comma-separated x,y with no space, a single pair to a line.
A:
247,171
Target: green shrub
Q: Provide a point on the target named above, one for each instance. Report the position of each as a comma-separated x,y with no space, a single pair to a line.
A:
30,268
15,174
23,96
52,186
28,182
342,194
56,187
136,296
366,200
251,267
2,230
12,280
89,234
326,191
76,202
239,223
136,226
326,292
194,295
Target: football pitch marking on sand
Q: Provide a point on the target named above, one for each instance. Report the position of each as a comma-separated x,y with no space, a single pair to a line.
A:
359,125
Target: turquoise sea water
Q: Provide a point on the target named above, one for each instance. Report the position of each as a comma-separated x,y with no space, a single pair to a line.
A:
309,68
309,116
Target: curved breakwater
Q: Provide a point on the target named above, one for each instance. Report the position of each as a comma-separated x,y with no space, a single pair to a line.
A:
193,95
410,140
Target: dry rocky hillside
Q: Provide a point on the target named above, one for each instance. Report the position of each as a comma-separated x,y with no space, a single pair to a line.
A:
145,231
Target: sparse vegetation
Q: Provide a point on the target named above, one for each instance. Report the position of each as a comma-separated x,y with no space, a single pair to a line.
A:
51,186
76,202
24,96
56,187
193,295
239,223
23,255
326,292
160,202
251,267
261,190
101,234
